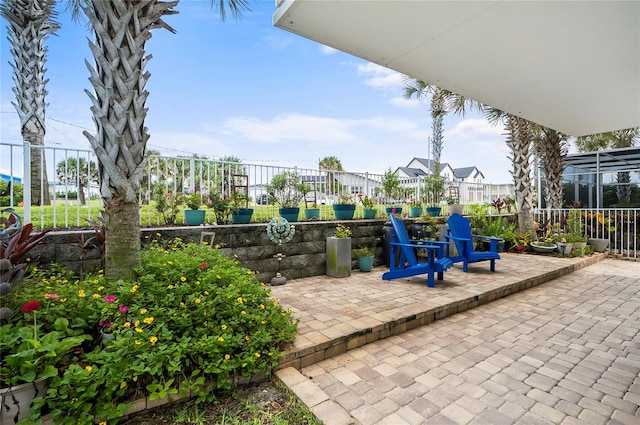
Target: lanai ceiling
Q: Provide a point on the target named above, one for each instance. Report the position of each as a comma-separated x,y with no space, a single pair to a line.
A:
570,65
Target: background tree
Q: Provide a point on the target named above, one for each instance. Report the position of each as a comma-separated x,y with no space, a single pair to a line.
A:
330,164
610,140
121,29
78,172
30,24
552,147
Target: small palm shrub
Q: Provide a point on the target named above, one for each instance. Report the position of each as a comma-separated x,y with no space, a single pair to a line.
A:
194,320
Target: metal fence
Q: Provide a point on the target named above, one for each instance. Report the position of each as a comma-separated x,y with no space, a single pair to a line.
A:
620,226
74,189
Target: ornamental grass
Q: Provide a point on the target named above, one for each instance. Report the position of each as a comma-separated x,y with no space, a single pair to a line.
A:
193,320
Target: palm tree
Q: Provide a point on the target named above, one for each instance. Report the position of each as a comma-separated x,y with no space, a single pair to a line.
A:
551,147
330,164
121,29
30,24
79,172
519,139
442,102
613,139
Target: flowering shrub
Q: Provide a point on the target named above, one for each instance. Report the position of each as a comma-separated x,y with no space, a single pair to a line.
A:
221,207
367,203
193,200
342,231
193,320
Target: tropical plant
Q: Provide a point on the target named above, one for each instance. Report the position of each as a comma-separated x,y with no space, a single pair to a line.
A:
390,185
367,203
286,189
121,30
221,207
78,172
331,165
193,200
551,147
16,251
30,24
167,204
433,189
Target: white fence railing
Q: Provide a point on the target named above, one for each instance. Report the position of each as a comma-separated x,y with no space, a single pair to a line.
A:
621,226
74,189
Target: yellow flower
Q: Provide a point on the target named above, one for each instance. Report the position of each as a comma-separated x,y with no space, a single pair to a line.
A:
134,288
249,272
197,282
206,292
261,306
153,340
181,304
170,286
223,327
257,355
138,342
169,262
158,234
143,311
100,288
136,323
81,293
96,295
182,278
122,385
88,368
127,324
148,320
227,357
218,276
243,312
262,322
221,339
102,423
246,337
198,300
139,330
240,300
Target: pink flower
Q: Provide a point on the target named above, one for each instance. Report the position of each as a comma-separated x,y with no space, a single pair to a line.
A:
110,298
203,265
51,296
104,324
123,308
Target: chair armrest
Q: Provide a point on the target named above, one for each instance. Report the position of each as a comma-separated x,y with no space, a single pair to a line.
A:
456,238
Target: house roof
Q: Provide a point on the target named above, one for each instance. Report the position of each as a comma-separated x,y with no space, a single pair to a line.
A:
412,172
569,65
465,172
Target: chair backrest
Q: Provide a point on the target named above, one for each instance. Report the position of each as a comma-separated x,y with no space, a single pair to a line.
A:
403,237
460,227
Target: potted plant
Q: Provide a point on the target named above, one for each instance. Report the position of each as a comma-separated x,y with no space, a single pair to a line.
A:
390,187
286,190
575,229
221,207
434,190
312,213
365,257
544,245
415,208
339,252
368,209
518,240
345,207
240,214
194,216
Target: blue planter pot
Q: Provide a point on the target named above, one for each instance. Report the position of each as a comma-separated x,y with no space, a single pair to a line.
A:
344,211
434,211
194,217
393,210
365,264
289,214
415,211
369,213
242,215
312,213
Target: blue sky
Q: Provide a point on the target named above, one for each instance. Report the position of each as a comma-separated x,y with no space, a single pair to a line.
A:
248,89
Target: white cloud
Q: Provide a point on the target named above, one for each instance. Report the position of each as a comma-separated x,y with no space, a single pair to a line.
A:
379,77
403,102
326,50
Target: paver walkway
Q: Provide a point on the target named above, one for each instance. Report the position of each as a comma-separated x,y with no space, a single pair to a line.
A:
566,352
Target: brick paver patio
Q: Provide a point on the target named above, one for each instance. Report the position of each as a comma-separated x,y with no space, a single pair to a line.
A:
564,352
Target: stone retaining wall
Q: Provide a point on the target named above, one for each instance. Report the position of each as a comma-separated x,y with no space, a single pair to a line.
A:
305,253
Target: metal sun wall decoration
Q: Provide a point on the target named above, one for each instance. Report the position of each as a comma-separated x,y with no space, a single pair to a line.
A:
279,231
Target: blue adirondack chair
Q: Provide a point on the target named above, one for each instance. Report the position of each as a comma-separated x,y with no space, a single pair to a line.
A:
460,233
404,262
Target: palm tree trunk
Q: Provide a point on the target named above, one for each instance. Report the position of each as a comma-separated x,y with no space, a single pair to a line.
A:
30,24
552,149
519,141
623,190
122,28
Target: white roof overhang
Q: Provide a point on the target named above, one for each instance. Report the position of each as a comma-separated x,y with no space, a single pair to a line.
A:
573,66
